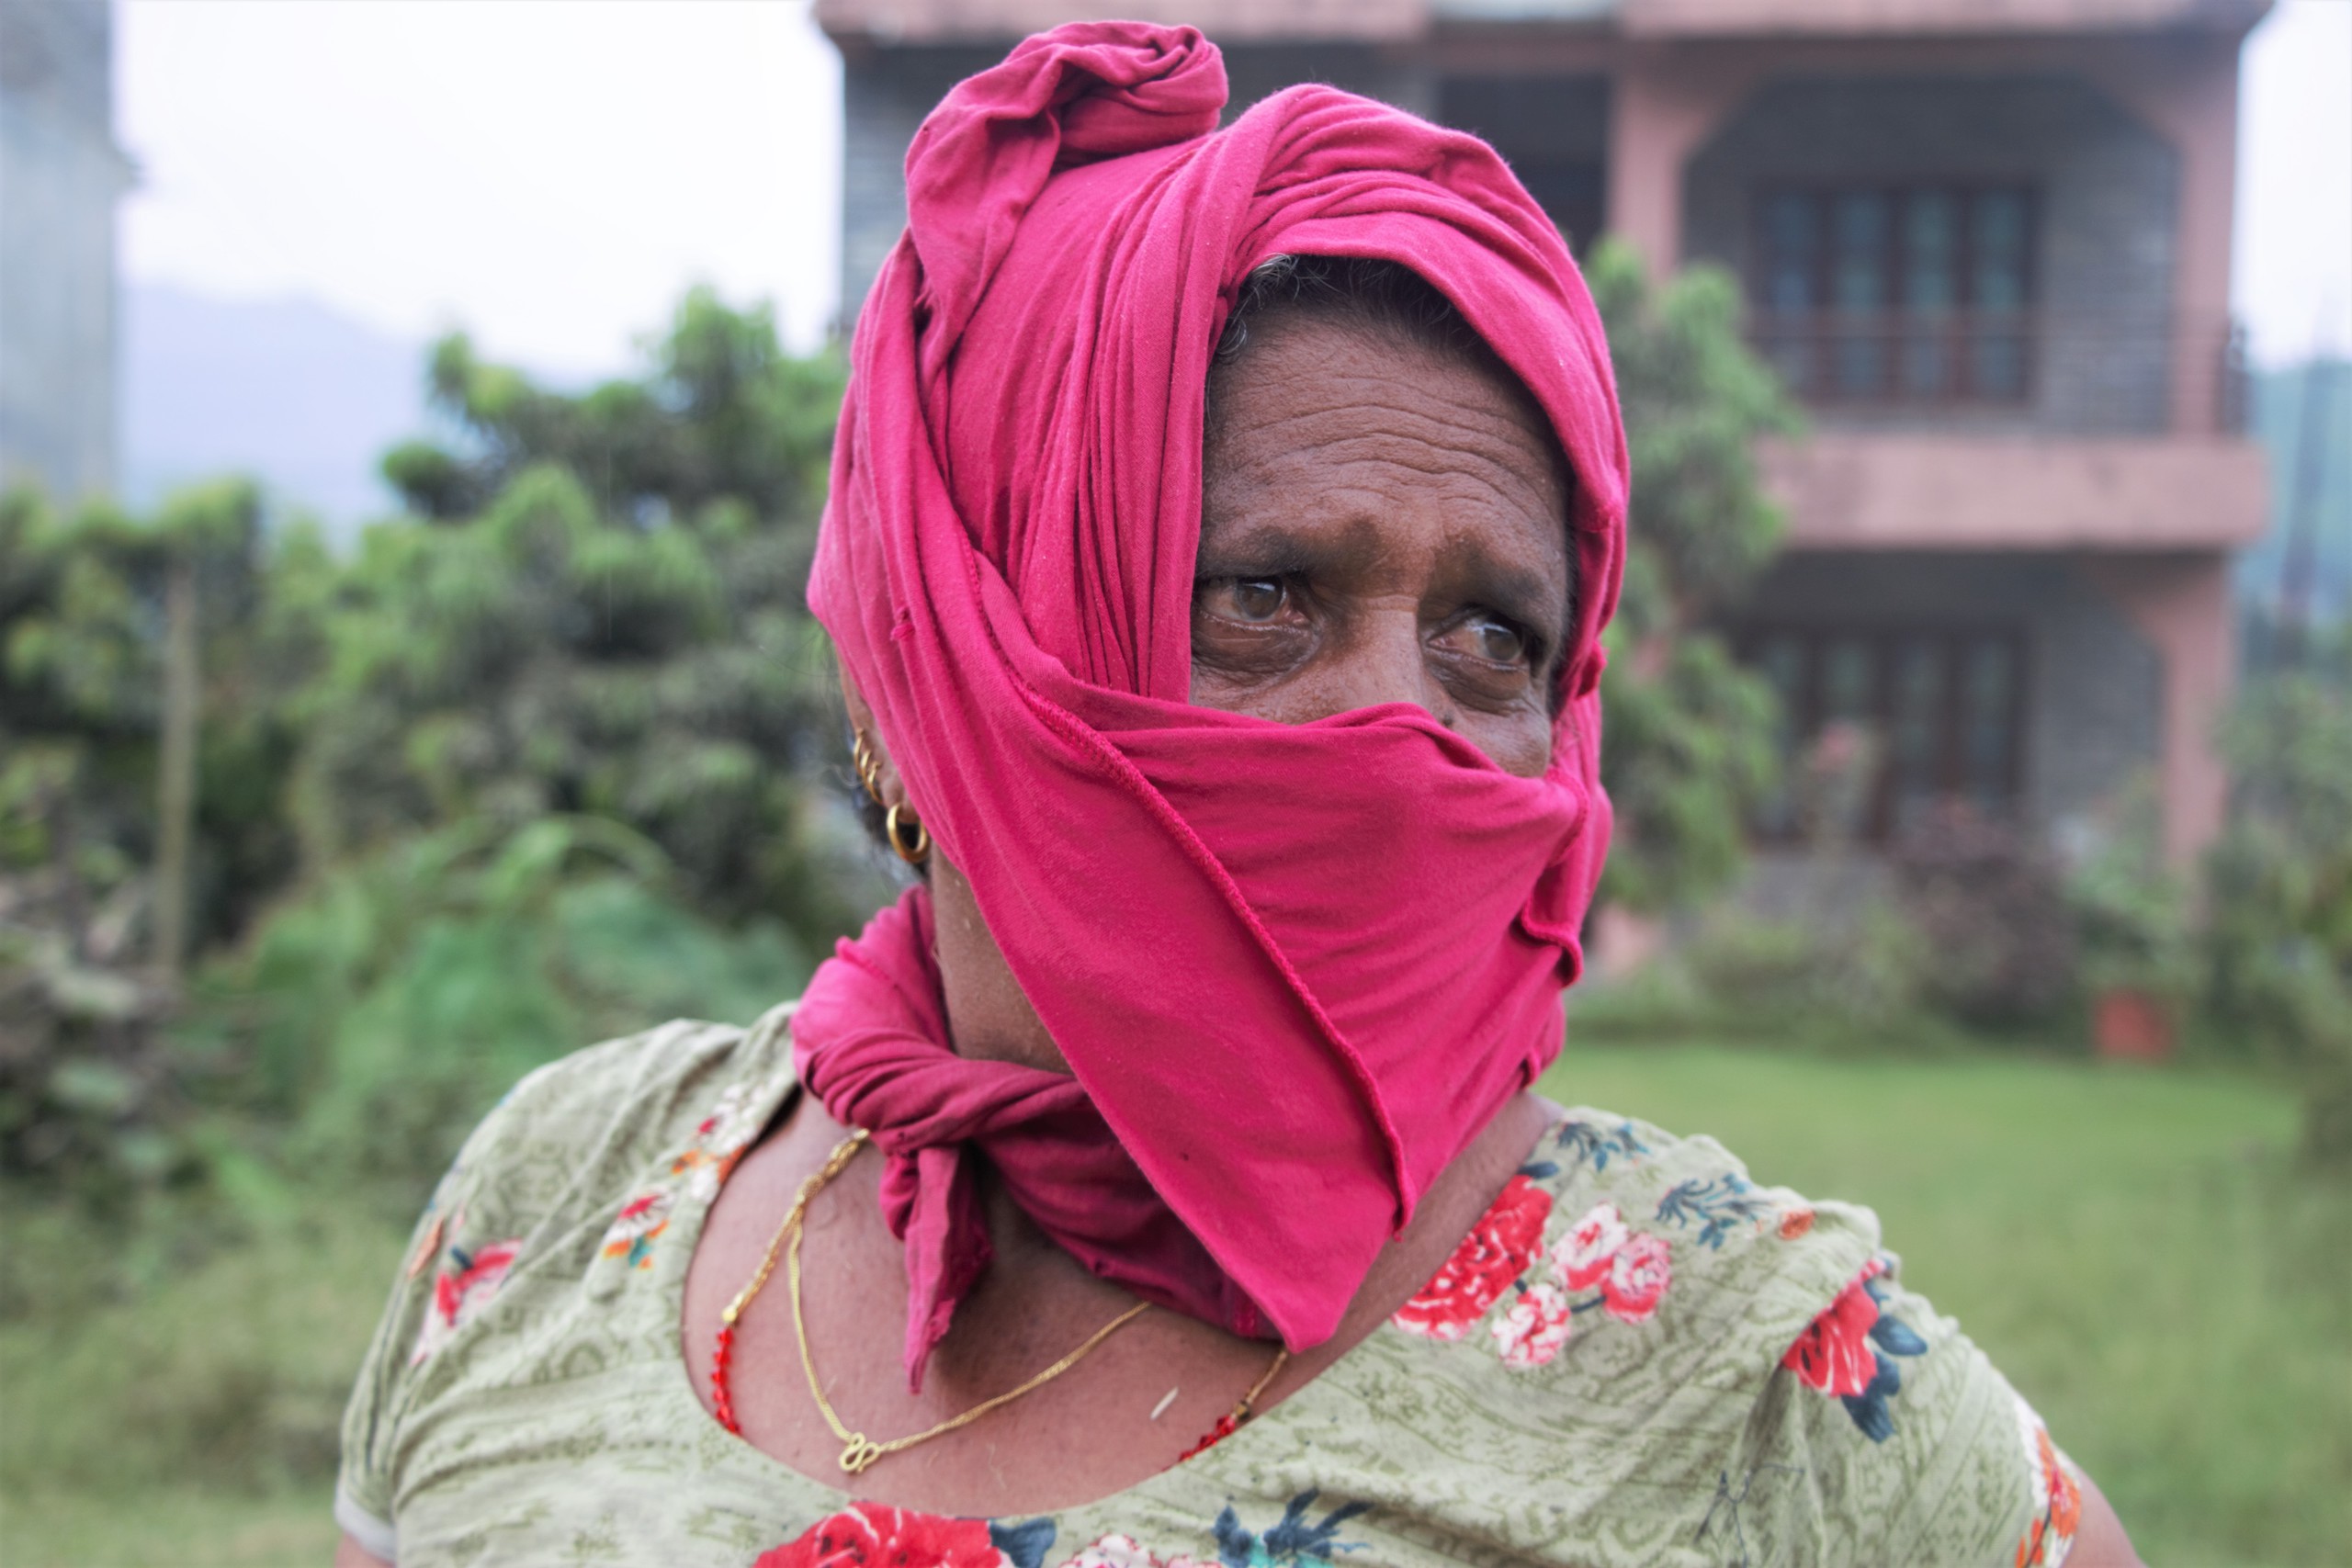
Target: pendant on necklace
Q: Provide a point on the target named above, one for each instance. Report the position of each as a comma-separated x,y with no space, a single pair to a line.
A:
859,1454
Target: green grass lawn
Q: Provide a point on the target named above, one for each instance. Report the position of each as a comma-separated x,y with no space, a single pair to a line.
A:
181,1527
2132,1248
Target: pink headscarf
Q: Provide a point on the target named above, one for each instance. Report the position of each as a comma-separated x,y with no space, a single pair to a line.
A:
1295,969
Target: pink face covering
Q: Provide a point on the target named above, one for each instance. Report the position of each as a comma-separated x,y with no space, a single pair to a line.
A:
1295,969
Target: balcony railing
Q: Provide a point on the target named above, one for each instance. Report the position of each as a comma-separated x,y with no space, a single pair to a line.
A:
1874,358
2118,371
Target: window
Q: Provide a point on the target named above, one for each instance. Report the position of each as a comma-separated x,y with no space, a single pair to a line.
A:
1912,295
1936,714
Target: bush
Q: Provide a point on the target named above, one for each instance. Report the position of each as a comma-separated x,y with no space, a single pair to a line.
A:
2132,909
1991,909
2279,885
1844,978
86,1081
1862,970
598,609
381,1012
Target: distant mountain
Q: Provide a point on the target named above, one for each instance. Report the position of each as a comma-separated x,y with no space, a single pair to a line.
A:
287,390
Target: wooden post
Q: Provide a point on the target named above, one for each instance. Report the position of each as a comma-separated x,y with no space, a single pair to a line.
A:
177,807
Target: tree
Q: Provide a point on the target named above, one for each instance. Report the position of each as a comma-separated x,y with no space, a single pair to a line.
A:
587,631
1689,751
83,667
595,608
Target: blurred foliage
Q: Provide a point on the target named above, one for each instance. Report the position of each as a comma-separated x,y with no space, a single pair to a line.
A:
539,762
1788,973
1689,749
724,416
603,615
85,1086
2279,884
81,684
380,1012
1989,902
86,1082
225,1367
2131,906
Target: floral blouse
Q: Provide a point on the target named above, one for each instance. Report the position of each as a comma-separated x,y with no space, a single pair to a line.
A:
1637,1356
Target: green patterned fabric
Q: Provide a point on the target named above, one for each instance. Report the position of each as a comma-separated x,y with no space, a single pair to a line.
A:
1637,1357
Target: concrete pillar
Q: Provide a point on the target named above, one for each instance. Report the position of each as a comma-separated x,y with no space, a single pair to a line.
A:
2181,604
2187,92
1664,105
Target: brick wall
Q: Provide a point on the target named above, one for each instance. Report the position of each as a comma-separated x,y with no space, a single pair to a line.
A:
2108,192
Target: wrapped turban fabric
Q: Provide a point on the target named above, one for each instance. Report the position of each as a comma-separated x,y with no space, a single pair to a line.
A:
1295,969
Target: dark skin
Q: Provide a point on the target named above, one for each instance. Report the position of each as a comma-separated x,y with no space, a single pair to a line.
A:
1380,524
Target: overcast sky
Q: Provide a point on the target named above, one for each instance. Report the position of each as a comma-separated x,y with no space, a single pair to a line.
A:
552,176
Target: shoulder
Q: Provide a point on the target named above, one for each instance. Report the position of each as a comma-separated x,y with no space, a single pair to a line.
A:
1615,1216
1638,1319
563,1187
610,1107
1743,1244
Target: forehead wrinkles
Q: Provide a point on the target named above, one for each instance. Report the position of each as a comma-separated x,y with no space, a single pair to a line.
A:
1292,412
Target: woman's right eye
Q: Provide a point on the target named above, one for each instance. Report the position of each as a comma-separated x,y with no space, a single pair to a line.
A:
1253,601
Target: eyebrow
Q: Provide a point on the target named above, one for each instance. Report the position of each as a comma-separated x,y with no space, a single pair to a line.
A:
1466,567
1508,587
1269,549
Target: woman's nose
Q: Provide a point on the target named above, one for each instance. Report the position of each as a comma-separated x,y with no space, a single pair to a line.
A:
1381,661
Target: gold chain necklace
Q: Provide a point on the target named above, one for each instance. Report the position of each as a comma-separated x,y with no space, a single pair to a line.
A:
859,1451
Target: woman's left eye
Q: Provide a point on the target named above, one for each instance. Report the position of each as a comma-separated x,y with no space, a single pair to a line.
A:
1495,640
1253,601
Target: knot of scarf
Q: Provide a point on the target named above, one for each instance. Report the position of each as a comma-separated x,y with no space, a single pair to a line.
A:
885,1066
1295,969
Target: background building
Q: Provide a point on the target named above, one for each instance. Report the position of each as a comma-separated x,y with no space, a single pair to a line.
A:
1988,245
60,176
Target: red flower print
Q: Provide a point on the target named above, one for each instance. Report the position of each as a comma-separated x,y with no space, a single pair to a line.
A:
2065,1491
454,1293
631,1235
1796,1222
1638,1276
1496,1252
1834,1352
460,1293
2057,1497
1533,1331
869,1535
1580,1258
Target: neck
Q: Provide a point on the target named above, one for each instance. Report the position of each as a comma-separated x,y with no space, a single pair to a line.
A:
988,1016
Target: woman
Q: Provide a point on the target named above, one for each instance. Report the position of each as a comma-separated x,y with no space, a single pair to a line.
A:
1223,523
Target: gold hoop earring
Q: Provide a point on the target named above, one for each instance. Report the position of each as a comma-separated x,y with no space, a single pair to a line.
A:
869,767
914,852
